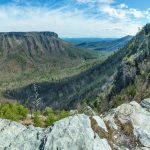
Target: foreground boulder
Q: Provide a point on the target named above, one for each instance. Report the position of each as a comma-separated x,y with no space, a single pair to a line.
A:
124,128
131,126
72,133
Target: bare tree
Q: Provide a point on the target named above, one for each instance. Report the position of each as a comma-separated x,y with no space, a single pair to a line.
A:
34,105
37,99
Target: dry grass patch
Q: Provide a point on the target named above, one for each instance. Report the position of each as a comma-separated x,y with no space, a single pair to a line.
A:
101,132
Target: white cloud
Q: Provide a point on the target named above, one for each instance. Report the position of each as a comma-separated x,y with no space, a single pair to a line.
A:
122,11
106,1
75,24
123,6
96,1
147,13
118,13
136,13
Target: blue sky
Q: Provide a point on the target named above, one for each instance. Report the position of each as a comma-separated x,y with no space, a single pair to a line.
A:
75,18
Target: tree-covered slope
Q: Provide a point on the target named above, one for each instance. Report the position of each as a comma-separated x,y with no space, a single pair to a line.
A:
131,81
67,93
102,82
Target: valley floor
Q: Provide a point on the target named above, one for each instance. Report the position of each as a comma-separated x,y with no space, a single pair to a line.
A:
14,80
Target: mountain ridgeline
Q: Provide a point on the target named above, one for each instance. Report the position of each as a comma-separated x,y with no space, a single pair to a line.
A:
107,45
98,85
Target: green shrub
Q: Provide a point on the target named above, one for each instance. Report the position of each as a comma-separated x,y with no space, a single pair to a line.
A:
22,111
63,114
118,100
51,119
37,120
12,111
17,112
131,90
53,116
48,111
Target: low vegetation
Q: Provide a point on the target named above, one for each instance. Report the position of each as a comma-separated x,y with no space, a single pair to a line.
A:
48,117
12,111
19,113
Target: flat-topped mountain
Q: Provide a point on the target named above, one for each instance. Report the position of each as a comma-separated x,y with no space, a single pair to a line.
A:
19,34
30,50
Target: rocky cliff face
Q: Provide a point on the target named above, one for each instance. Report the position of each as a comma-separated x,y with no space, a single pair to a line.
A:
132,63
31,44
126,127
135,63
131,77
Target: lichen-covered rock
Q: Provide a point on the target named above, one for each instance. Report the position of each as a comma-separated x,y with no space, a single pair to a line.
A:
100,122
126,127
72,133
109,118
89,111
133,125
140,119
73,112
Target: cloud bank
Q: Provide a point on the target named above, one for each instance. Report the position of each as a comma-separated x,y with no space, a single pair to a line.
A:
77,18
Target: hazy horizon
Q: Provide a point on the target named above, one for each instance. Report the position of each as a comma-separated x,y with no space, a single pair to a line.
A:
80,37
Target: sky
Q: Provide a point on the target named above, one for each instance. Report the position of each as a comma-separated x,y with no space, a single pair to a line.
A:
75,18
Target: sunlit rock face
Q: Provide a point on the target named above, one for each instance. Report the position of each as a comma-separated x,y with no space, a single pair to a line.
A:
131,125
72,133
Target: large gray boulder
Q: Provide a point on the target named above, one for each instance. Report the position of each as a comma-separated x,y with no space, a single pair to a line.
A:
140,119
131,125
72,133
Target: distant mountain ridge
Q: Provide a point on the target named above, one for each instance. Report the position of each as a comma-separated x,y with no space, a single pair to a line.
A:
86,40
106,45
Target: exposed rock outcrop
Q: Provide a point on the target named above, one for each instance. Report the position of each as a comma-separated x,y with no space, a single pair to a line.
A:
89,111
131,125
72,133
132,71
126,127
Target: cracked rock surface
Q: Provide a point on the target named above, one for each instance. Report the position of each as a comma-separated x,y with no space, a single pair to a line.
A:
131,126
